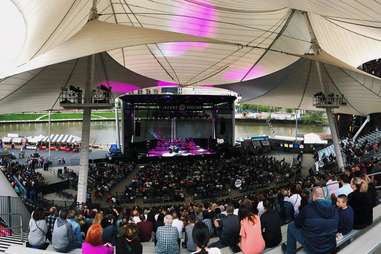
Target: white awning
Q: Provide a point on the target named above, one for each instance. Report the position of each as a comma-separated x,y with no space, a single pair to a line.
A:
260,49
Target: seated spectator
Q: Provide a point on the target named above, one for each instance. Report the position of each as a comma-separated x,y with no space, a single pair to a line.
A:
167,238
260,207
345,188
189,242
72,219
251,237
38,230
177,223
295,198
50,222
93,242
135,216
201,236
129,243
332,185
63,239
271,226
361,202
286,208
345,215
98,218
109,229
229,233
315,227
145,229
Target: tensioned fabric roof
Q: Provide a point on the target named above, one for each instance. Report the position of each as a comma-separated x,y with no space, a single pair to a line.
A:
261,49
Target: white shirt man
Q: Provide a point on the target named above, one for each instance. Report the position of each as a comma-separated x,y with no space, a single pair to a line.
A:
178,224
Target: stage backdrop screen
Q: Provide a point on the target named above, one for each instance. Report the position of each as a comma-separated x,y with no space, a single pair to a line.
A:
152,129
194,128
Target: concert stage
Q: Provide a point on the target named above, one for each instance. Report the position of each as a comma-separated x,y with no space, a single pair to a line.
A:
168,122
167,148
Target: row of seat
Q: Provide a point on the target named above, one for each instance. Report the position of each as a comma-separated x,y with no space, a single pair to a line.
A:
351,243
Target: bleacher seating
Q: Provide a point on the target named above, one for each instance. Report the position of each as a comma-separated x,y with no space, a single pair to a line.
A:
358,241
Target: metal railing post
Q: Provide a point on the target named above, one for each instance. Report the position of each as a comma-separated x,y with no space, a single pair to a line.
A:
9,211
21,229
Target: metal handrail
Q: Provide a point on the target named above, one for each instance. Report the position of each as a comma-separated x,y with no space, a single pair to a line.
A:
16,227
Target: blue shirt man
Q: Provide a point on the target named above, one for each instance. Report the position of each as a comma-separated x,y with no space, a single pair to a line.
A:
315,227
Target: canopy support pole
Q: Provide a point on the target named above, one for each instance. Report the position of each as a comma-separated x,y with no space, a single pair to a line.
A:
117,128
296,126
331,120
367,120
85,140
50,133
86,121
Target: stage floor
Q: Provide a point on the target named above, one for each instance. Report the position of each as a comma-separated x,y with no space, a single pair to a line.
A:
200,151
177,148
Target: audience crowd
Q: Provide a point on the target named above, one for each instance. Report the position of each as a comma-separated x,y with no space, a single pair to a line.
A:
209,177
320,209
23,178
317,218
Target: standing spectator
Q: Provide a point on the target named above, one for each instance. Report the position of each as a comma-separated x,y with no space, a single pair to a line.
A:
72,219
93,242
315,227
251,237
201,236
167,238
345,215
361,202
38,230
128,243
63,239
145,229
189,242
271,226
230,229
50,222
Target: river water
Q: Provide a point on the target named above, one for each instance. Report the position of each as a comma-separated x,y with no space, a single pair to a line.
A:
104,132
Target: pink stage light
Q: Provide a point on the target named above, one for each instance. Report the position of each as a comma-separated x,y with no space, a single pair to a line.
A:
207,85
119,87
202,26
165,83
237,74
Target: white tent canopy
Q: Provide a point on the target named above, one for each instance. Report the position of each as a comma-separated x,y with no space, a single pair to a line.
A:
295,86
260,49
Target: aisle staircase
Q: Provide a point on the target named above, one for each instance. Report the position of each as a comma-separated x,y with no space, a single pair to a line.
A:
7,241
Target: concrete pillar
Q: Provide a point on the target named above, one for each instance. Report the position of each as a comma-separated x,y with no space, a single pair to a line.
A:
335,138
85,140
84,157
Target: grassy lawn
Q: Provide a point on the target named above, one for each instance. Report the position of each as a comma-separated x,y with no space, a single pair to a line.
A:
55,116
19,117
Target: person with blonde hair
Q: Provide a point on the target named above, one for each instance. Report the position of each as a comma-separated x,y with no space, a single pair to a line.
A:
98,218
361,202
93,242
